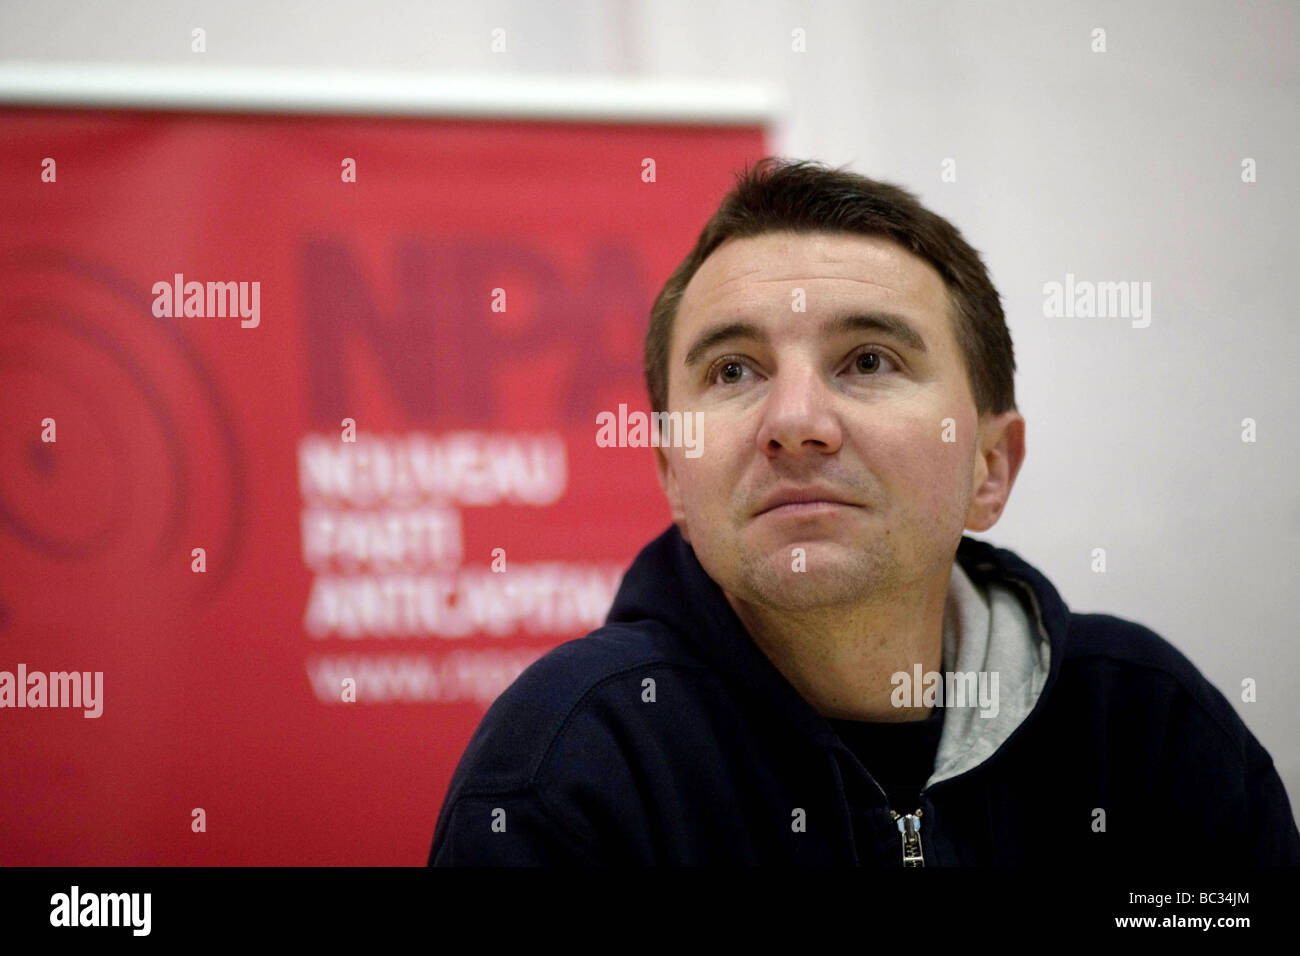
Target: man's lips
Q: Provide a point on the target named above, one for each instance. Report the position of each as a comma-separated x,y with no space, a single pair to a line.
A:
803,501
804,507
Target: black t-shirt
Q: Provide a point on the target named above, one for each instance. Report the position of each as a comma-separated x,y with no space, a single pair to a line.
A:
900,756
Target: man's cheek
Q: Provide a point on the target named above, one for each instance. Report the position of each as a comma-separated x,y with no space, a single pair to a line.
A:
930,492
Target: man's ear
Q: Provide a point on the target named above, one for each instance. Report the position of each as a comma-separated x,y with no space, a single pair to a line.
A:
668,482
1001,451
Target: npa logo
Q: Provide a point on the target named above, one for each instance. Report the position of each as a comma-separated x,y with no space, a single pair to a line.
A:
102,909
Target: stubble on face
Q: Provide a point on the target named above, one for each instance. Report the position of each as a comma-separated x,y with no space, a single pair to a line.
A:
841,569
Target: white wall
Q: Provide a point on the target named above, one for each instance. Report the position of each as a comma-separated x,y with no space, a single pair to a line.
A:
1123,165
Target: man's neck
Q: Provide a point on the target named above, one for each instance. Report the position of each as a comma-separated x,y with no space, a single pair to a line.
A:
841,659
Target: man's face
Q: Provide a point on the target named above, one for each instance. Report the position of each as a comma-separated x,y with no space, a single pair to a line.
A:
796,403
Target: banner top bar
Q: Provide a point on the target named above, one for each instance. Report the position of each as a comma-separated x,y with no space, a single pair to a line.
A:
258,90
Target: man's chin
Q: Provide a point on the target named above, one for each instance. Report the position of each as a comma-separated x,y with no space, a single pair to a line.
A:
807,575
802,552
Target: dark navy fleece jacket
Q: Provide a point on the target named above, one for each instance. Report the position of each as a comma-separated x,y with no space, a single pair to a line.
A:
667,737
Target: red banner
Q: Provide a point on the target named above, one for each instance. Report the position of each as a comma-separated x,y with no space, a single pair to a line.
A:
298,465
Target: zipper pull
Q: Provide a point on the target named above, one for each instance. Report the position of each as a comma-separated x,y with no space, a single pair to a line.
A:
910,827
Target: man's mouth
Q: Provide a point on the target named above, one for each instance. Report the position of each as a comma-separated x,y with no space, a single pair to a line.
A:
802,501
805,508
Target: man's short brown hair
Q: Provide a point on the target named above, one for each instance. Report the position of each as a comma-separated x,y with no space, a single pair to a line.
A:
777,195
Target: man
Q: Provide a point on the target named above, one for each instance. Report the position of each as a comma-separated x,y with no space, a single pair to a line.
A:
814,665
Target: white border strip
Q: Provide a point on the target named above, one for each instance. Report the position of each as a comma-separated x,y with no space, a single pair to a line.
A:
523,96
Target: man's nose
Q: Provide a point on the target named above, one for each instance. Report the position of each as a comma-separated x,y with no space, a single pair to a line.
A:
799,414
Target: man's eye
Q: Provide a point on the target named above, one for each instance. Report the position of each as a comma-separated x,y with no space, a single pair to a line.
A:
868,362
730,371
727,372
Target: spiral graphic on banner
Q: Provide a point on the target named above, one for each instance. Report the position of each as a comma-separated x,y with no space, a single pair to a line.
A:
145,462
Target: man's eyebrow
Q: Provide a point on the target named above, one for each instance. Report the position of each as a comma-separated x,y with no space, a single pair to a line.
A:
884,322
711,337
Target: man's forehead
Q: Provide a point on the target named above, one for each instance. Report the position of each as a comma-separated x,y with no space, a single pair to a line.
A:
743,270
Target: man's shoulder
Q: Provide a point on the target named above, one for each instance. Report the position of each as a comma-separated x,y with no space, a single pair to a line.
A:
1113,659
558,751
1125,642
572,671
1137,665
554,697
